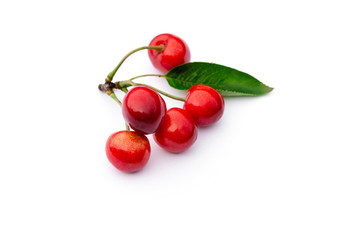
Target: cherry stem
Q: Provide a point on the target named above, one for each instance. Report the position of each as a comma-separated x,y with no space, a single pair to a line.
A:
146,75
113,96
111,75
157,90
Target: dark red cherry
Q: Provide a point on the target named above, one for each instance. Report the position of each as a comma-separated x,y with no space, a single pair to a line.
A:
143,109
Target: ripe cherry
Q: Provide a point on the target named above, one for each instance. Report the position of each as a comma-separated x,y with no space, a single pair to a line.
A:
176,52
128,151
205,104
177,132
143,109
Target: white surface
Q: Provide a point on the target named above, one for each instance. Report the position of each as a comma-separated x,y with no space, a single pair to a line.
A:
282,166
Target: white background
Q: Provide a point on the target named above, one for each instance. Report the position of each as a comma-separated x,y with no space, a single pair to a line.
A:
281,166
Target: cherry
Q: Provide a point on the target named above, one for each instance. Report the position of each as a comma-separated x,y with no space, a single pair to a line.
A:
177,132
205,104
143,109
175,52
128,151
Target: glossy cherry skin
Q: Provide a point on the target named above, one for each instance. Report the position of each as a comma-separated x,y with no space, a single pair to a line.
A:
177,131
205,104
176,52
128,151
143,109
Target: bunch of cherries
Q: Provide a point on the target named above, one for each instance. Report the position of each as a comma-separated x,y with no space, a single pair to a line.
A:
145,111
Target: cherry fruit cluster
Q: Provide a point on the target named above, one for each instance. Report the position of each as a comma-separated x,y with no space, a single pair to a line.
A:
145,111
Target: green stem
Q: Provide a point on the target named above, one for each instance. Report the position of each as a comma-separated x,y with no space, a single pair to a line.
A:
146,75
160,91
111,75
113,96
125,90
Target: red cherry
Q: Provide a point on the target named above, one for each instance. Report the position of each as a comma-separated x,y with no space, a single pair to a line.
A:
205,104
128,151
177,132
143,109
176,52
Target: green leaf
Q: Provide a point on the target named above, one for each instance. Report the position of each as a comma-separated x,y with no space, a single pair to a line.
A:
228,81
